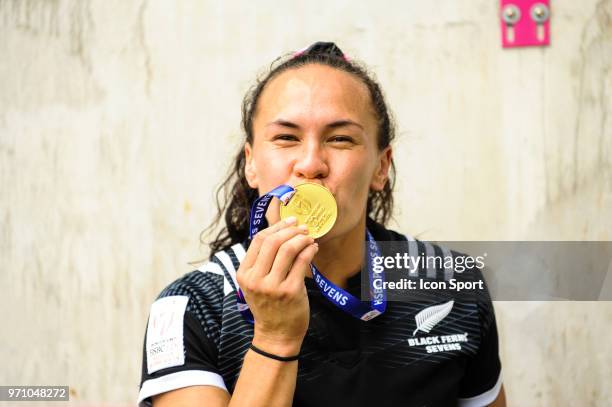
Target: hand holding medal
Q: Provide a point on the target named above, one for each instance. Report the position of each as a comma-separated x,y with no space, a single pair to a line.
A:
314,208
271,276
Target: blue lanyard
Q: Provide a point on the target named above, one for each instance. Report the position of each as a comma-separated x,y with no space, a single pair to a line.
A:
338,296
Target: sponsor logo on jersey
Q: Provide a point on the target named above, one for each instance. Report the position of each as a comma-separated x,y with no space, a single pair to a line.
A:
439,343
426,320
164,343
431,316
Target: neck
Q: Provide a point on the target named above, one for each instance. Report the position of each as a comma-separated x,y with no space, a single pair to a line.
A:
341,257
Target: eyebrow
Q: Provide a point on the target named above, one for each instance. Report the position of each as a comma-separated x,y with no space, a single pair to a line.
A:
332,125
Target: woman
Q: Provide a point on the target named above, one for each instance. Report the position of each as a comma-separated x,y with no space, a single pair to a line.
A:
316,117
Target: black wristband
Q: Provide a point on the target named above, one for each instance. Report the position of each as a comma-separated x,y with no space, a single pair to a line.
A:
275,357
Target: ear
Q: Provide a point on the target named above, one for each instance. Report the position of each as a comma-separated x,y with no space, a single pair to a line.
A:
249,168
381,173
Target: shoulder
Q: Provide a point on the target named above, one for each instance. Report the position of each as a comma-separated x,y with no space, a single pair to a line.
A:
216,277
435,261
382,234
205,292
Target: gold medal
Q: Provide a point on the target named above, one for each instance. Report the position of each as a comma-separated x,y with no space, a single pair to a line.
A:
314,206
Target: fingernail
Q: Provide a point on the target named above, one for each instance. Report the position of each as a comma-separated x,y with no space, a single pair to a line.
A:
290,220
303,227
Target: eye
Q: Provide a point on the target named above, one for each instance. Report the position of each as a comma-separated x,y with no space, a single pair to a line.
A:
341,139
285,137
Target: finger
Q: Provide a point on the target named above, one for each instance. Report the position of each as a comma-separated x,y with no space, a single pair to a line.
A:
300,266
269,249
258,239
286,255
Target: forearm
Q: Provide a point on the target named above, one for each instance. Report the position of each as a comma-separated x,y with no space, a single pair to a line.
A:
271,277
264,381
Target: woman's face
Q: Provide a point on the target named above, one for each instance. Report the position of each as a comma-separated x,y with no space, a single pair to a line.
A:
316,124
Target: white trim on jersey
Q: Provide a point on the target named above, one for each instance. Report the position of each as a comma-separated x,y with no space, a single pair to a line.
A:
239,251
448,271
413,251
211,267
410,238
483,399
214,268
178,380
229,266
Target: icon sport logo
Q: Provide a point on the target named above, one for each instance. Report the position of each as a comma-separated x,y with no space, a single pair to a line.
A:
431,316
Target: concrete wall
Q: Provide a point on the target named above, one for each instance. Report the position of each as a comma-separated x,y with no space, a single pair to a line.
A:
118,118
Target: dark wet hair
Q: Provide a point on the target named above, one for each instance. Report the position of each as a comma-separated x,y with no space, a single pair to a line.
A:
234,197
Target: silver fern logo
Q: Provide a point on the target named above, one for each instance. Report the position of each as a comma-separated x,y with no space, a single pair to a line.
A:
431,316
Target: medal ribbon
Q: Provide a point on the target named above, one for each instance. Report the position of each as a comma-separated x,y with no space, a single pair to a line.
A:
338,296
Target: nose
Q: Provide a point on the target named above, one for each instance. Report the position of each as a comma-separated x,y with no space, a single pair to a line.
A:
311,162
